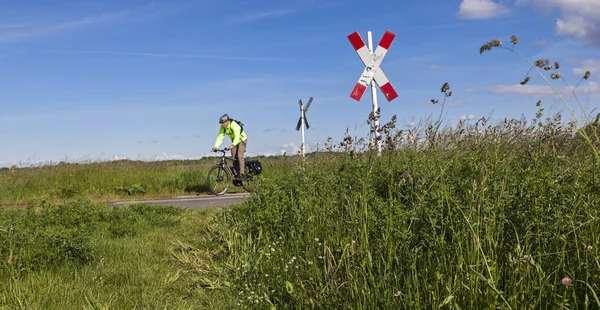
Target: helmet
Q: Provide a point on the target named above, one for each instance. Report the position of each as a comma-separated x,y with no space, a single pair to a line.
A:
223,118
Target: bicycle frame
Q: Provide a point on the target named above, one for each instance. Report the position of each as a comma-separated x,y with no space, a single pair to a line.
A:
230,169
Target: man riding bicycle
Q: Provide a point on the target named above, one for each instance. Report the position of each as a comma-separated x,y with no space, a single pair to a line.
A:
239,141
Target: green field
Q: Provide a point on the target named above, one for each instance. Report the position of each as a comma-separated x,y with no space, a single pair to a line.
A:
482,215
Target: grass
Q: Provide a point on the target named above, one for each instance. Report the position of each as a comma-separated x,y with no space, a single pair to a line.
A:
497,218
111,181
81,255
482,215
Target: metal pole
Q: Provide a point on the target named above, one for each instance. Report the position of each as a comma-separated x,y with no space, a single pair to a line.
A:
302,125
374,97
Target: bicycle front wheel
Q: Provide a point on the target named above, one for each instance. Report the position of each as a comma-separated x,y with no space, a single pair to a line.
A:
218,180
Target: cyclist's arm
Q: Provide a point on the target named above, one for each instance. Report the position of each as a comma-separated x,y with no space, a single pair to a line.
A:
220,137
237,133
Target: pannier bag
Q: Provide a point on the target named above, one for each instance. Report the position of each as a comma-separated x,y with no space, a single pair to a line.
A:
254,166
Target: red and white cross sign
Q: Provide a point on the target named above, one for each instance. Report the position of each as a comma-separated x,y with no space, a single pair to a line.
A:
372,64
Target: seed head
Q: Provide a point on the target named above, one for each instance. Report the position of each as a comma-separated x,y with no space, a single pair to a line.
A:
514,40
433,101
548,67
523,82
445,87
539,103
488,46
556,65
587,75
555,76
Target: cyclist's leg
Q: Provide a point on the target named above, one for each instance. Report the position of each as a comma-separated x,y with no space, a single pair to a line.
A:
240,154
234,155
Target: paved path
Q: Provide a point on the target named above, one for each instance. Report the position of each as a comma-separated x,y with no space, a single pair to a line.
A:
193,202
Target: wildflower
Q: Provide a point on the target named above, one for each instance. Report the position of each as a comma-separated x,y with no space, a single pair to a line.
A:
566,281
587,75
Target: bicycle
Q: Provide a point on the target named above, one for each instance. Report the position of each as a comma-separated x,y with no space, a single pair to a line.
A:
223,170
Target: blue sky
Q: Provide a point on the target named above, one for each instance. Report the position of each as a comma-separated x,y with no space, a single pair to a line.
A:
96,80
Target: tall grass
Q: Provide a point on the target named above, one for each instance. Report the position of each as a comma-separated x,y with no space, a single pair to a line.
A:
478,216
501,215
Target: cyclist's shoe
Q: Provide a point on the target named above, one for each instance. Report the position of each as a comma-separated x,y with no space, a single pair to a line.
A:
238,177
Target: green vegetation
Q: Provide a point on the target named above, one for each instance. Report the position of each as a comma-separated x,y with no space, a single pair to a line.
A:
81,255
116,180
485,216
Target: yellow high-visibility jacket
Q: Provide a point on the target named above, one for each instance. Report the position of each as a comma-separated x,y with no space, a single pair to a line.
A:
234,131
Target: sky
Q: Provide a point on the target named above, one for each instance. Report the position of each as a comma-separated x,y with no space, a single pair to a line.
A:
104,80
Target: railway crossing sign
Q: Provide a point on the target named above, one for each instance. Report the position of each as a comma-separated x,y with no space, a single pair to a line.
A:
372,62
303,121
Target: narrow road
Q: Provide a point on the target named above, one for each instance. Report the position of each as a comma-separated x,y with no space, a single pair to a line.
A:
193,202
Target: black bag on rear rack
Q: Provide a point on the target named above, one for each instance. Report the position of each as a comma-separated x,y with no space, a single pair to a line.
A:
254,165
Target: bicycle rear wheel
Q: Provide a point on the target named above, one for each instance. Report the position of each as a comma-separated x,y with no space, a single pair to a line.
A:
218,178
250,184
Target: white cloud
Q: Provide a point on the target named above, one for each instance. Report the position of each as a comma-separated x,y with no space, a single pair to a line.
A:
481,9
579,19
542,42
592,65
163,55
435,67
252,16
12,33
274,13
468,117
471,90
290,148
166,156
589,90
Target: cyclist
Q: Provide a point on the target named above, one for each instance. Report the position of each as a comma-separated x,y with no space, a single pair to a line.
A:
239,141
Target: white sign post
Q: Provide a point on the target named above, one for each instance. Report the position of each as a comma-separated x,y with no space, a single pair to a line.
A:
373,72
303,121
